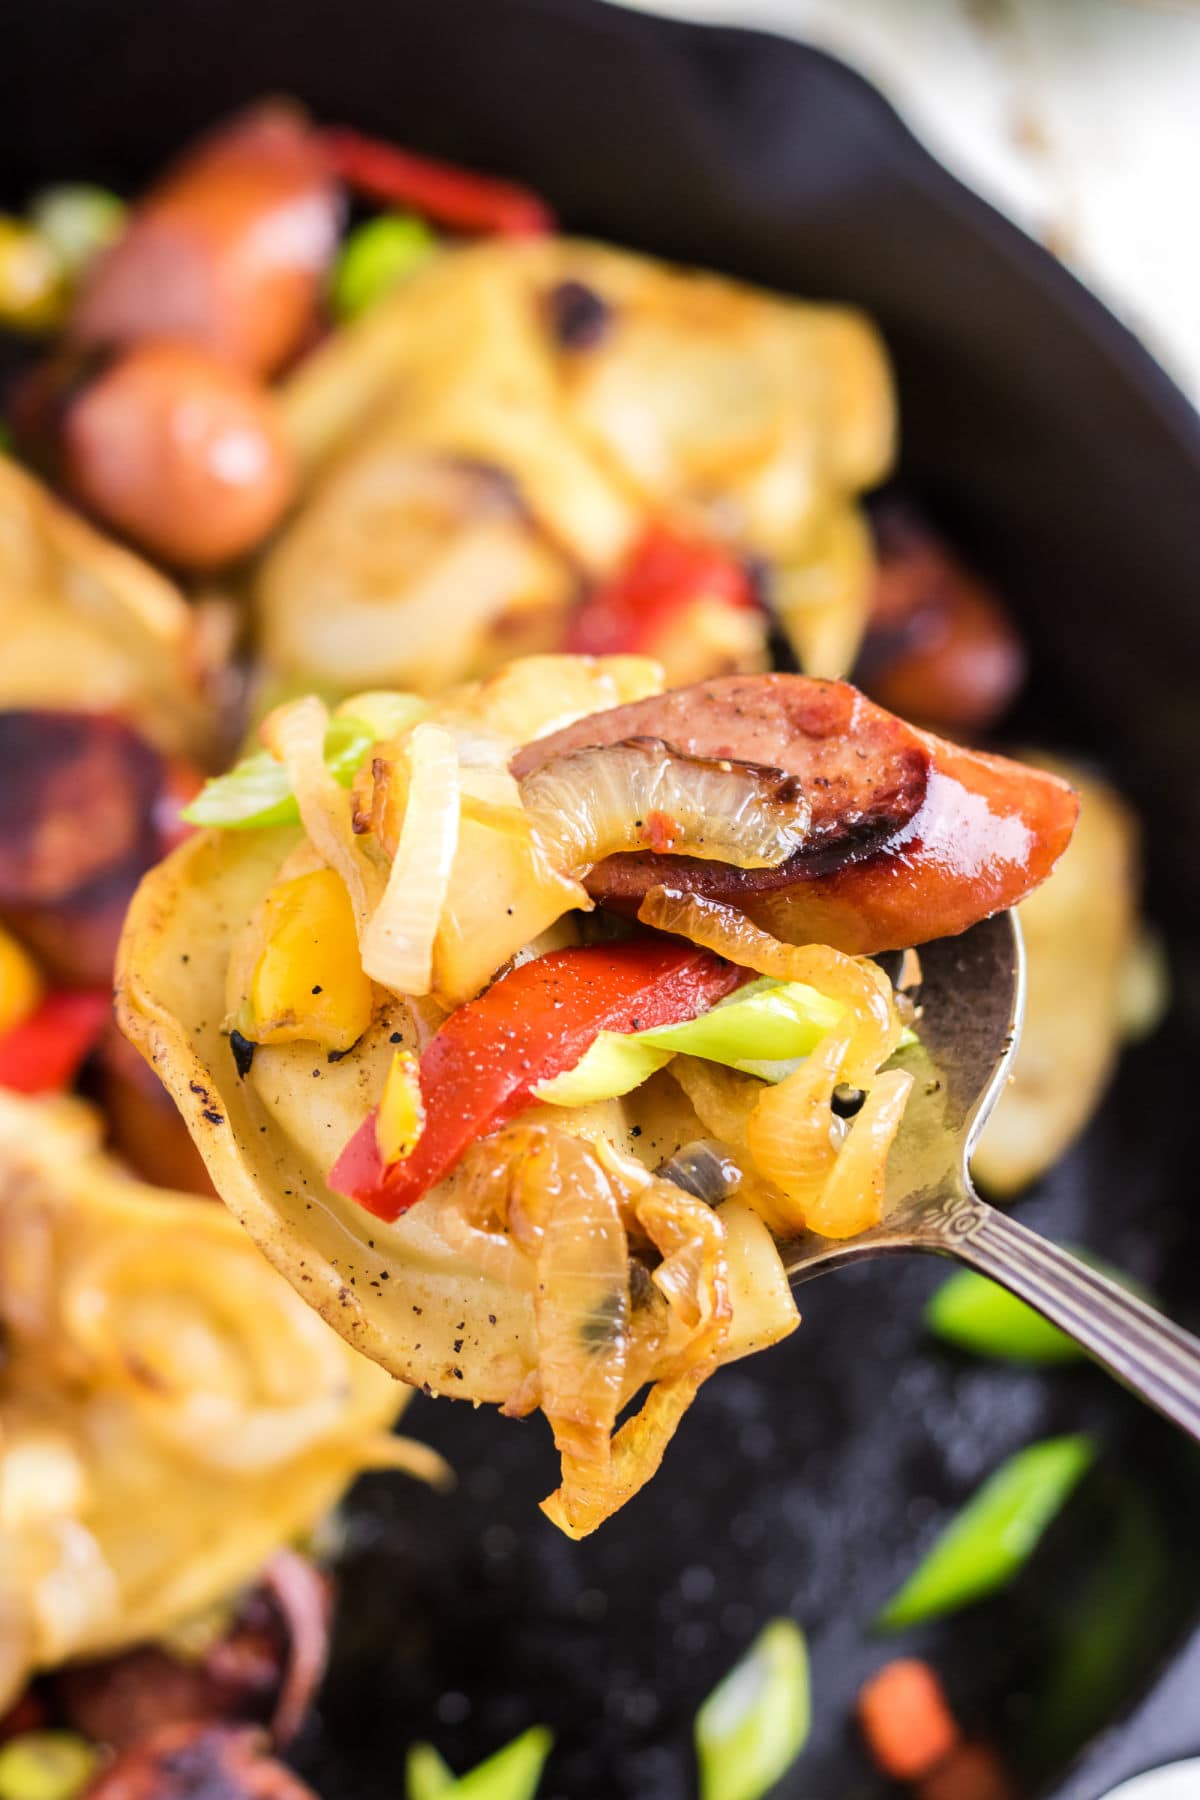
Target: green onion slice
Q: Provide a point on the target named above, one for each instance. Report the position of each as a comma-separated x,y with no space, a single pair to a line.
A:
762,1029
257,793
995,1534
427,1774
511,1774
756,1721
375,258
77,221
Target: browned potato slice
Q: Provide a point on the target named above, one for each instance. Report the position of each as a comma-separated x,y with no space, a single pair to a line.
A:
87,624
604,390
1080,929
156,1370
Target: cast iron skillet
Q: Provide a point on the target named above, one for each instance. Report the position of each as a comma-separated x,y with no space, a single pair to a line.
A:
1047,442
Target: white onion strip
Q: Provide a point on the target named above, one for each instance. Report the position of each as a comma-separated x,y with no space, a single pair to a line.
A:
295,733
397,945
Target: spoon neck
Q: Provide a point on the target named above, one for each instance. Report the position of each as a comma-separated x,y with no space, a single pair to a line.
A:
1135,1342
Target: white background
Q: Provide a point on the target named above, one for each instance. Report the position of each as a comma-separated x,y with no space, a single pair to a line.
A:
1081,118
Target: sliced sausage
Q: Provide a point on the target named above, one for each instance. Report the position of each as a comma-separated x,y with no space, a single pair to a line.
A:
265,1670
198,1762
913,838
939,646
122,1700
81,820
77,800
145,1127
228,251
863,771
180,452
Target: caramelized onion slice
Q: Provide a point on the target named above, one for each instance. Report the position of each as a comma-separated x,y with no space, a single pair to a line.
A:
860,985
566,1211
793,1136
852,1199
641,794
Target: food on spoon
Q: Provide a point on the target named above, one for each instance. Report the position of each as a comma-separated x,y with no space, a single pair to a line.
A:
179,452
463,1232
912,837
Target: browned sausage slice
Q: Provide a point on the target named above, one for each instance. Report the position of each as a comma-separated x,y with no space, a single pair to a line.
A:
180,452
228,250
79,826
198,1762
863,770
913,838
939,646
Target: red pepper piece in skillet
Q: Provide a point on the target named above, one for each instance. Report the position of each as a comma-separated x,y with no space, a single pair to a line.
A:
668,574
448,195
44,1053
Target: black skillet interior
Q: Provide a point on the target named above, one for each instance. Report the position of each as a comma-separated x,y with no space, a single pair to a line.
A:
808,1481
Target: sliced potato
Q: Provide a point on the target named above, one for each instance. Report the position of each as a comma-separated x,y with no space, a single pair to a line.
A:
751,417
85,623
1080,927
156,1370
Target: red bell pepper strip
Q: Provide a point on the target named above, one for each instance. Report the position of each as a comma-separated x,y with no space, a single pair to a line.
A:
666,574
42,1055
442,192
536,1022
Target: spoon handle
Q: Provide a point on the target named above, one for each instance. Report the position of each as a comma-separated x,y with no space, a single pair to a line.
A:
1156,1358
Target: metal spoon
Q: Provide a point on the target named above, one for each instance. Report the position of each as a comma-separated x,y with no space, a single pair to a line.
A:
972,999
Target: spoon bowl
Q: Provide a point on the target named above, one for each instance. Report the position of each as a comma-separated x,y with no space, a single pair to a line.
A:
971,995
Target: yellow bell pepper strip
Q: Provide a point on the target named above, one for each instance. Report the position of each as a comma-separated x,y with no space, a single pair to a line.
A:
32,290
400,1119
46,1765
308,982
21,986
